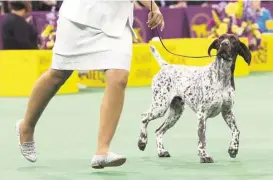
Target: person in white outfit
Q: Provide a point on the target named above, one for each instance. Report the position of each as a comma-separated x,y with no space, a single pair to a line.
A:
91,35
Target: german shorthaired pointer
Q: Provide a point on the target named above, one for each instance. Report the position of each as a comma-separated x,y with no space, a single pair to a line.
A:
207,90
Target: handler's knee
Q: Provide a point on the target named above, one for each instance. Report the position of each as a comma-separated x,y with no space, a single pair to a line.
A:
117,78
59,77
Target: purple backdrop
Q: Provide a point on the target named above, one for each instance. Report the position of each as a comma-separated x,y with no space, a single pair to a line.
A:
182,22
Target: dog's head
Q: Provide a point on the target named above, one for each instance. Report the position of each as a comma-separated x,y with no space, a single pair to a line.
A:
228,47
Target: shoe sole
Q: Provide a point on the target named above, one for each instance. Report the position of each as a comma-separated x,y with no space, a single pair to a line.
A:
115,163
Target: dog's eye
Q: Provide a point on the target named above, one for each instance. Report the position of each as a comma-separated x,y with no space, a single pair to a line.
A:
233,39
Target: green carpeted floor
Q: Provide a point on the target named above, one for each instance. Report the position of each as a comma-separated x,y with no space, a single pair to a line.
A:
66,139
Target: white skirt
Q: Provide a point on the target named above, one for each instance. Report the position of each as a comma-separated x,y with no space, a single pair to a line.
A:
80,47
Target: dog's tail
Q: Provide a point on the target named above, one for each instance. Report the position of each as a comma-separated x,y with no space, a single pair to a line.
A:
157,56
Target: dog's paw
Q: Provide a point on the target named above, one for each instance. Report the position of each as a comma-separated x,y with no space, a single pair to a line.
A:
164,154
233,152
141,145
206,160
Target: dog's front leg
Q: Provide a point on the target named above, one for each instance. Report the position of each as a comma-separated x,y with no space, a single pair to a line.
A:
234,144
204,156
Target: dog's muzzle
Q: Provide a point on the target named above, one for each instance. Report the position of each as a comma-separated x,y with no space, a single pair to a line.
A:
225,50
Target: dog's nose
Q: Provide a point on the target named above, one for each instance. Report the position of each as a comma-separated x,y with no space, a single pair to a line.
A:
225,43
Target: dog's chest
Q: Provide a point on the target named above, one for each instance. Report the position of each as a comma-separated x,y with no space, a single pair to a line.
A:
217,101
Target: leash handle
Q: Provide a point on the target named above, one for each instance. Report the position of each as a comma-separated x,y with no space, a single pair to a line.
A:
181,55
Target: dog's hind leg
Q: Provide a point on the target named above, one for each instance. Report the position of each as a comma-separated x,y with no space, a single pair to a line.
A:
234,144
153,113
158,108
176,110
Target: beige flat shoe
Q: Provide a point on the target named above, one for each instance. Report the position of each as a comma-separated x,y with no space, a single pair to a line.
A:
109,160
27,149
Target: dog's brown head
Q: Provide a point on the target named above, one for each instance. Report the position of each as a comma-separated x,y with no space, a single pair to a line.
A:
229,46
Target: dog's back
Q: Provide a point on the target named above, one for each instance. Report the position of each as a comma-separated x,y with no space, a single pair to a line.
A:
185,73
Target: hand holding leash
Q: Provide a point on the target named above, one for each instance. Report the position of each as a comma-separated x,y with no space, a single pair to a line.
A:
155,19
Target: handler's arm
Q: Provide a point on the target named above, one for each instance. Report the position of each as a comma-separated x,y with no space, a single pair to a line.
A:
155,17
147,4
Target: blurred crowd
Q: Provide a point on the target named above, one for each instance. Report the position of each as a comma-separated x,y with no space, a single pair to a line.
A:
36,5
245,18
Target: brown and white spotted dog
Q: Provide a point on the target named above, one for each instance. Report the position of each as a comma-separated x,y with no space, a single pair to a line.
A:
207,90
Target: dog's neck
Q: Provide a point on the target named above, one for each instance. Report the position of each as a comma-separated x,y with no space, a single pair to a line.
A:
224,73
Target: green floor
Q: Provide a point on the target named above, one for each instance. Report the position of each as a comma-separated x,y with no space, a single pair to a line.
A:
66,139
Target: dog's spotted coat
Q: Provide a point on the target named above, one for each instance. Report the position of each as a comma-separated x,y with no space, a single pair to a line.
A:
207,90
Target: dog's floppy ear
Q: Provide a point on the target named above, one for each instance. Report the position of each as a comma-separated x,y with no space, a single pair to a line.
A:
212,46
245,53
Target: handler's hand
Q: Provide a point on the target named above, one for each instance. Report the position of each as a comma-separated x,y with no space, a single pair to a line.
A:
155,18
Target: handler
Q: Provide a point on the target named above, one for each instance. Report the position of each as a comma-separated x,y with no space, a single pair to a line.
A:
91,35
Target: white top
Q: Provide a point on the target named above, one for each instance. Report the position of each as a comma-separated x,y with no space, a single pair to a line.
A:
109,16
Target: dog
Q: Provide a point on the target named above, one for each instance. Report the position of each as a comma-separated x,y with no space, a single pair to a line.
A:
207,90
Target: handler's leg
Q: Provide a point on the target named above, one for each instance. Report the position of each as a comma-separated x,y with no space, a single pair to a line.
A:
111,109
44,89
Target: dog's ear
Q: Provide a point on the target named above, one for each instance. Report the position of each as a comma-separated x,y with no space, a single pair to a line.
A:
245,53
212,46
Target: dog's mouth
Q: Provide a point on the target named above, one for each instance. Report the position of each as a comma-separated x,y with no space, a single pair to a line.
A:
225,54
